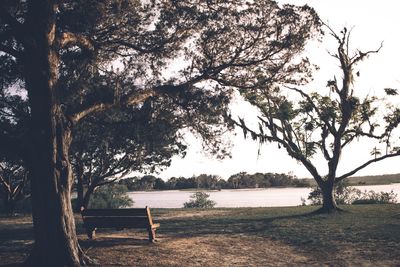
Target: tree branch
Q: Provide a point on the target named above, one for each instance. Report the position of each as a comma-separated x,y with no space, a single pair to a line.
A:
327,123
134,99
290,147
362,133
20,186
362,55
325,151
362,166
71,39
5,184
106,182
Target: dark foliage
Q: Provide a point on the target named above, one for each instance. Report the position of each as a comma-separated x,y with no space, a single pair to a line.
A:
214,182
75,59
199,200
111,196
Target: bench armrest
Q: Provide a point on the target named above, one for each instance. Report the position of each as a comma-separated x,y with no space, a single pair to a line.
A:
155,225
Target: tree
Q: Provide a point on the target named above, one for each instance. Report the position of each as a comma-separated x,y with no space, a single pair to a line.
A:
207,181
13,180
60,54
325,121
159,184
236,180
199,200
111,196
13,173
109,146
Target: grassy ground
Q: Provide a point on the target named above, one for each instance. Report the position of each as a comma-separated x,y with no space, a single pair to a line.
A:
365,235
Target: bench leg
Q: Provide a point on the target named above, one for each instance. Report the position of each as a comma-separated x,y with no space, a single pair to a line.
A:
91,233
152,235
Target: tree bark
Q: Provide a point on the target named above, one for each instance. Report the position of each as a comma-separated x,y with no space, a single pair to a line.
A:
88,195
50,171
328,199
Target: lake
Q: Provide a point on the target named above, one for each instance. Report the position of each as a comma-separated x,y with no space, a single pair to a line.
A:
230,198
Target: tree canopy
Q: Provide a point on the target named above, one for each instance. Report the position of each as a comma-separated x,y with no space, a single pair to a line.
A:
75,59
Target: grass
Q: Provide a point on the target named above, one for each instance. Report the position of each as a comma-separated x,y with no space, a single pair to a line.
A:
363,235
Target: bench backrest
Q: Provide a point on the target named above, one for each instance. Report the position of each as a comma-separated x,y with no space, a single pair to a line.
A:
132,217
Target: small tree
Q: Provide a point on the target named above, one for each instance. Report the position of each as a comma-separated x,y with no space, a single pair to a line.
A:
200,200
111,196
112,144
325,122
13,125
13,180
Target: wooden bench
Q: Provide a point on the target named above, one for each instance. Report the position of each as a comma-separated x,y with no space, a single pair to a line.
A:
120,219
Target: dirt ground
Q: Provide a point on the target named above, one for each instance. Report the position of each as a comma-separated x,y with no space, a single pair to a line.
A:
210,250
206,250
189,239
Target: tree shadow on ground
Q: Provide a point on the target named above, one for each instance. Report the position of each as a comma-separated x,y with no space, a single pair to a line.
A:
16,234
222,225
103,242
274,228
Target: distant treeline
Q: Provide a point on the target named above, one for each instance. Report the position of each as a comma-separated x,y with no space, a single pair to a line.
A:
375,179
366,180
214,182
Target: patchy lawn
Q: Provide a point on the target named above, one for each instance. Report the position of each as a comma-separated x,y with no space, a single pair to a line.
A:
365,235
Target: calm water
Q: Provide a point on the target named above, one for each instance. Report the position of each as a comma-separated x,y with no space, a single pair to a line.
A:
270,197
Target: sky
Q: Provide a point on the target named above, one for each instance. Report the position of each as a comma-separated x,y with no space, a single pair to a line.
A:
372,23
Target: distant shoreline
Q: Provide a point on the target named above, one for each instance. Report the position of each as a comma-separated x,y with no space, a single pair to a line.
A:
255,188
366,180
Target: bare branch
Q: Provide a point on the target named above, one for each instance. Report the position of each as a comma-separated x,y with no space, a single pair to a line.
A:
362,55
348,40
332,32
332,55
20,186
5,184
362,166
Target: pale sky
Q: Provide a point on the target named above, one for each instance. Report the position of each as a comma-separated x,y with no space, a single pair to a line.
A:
373,22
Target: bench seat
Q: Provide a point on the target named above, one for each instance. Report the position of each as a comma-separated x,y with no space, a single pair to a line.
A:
137,218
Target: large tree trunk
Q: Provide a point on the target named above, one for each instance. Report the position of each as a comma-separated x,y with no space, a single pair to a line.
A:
328,199
88,195
50,171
